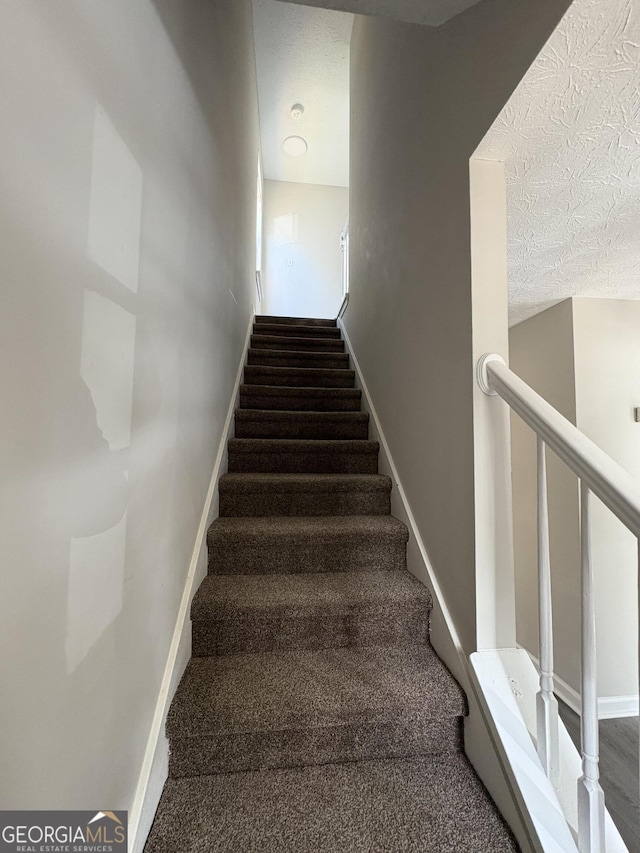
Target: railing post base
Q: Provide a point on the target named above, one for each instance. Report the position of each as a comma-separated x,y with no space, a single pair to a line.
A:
590,816
548,746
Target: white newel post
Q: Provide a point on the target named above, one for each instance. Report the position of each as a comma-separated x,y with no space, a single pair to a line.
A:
590,794
546,702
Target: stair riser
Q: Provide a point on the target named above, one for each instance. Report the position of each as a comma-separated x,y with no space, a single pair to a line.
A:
297,344
200,756
261,504
319,628
294,321
278,358
302,429
303,463
286,555
321,378
296,331
300,402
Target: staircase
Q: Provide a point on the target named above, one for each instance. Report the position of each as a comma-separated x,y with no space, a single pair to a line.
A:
314,714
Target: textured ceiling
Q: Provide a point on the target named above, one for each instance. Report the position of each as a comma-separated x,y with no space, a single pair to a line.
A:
302,56
570,136
430,12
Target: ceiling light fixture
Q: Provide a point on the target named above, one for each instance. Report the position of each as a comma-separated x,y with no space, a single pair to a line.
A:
294,146
296,111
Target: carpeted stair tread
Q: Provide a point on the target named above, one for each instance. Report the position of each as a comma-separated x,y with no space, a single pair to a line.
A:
283,544
294,708
312,690
296,330
268,483
299,377
294,321
270,397
266,423
293,358
238,614
255,494
242,596
434,804
284,455
280,342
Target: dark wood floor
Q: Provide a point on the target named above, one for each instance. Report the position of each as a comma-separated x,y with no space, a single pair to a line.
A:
618,770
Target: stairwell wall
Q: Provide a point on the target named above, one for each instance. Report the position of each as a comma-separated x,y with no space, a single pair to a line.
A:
127,259
421,101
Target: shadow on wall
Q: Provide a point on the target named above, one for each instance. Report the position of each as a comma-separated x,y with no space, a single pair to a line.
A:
126,221
80,468
97,560
68,495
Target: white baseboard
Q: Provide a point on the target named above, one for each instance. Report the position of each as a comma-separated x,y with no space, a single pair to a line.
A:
155,764
401,508
609,707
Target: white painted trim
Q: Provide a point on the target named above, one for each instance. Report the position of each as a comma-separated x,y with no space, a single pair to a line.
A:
435,587
609,707
508,681
155,764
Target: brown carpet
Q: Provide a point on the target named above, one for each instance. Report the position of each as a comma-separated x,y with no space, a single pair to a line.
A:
420,805
314,715
304,494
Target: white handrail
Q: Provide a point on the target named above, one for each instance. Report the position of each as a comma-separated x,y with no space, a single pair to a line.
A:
606,479
600,475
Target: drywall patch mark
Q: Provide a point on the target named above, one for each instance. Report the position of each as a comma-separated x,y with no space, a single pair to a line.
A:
107,364
570,138
116,204
97,561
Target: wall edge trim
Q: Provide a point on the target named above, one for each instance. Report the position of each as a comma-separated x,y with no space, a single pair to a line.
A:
154,769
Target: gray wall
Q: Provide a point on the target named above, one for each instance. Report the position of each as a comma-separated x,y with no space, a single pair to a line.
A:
127,245
303,267
421,101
